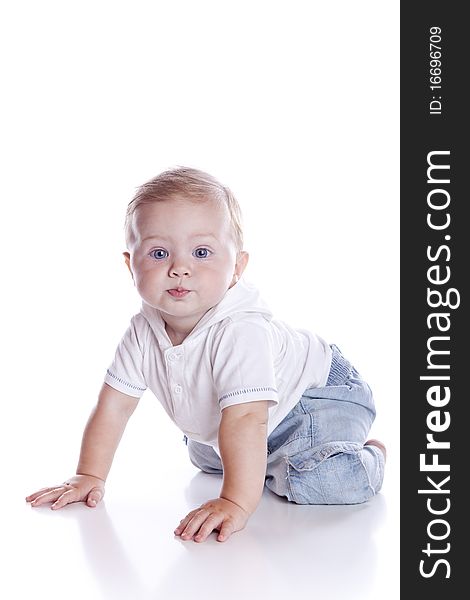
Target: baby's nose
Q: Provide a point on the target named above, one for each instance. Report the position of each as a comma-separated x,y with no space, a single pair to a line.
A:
179,272
179,269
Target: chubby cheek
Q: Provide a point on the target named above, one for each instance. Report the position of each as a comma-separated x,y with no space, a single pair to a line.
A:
146,282
215,284
141,283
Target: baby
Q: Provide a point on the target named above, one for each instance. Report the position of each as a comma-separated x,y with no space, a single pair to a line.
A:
257,400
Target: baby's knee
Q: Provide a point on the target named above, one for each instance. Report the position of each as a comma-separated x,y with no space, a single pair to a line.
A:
204,457
337,473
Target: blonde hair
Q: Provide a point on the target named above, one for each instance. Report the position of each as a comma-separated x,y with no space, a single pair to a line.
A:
191,184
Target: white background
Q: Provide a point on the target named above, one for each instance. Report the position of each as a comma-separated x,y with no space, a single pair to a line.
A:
294,105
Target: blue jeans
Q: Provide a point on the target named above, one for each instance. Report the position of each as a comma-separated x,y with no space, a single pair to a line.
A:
316,455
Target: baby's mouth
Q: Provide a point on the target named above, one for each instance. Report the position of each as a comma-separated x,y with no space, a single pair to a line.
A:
178,292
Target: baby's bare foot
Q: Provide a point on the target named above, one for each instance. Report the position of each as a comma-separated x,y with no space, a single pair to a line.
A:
378,445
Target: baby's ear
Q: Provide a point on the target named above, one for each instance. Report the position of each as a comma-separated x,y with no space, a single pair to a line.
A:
127,258
242,261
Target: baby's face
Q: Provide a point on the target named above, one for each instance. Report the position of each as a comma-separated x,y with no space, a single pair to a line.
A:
183,259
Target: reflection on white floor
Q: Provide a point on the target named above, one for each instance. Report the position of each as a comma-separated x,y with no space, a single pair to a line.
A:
125,548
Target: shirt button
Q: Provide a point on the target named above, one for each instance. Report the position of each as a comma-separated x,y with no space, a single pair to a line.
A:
178,389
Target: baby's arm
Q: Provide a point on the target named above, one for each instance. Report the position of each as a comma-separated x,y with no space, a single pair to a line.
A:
242,444
101,438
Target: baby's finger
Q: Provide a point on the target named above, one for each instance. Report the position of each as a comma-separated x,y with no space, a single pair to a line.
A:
49,496
194,524
185,521
66,498
212,522
226,531
40,492
94,497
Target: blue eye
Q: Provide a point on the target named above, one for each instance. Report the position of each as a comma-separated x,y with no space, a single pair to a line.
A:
201,252
159,254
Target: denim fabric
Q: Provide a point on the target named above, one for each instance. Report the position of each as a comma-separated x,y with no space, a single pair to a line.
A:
316,455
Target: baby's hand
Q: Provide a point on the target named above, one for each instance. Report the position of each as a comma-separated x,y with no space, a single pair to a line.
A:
80,488
219,514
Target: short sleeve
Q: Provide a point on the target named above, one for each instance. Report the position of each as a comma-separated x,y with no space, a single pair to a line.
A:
125,373
243,363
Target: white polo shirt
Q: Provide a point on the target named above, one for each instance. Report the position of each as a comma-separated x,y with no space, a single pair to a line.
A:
236,353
